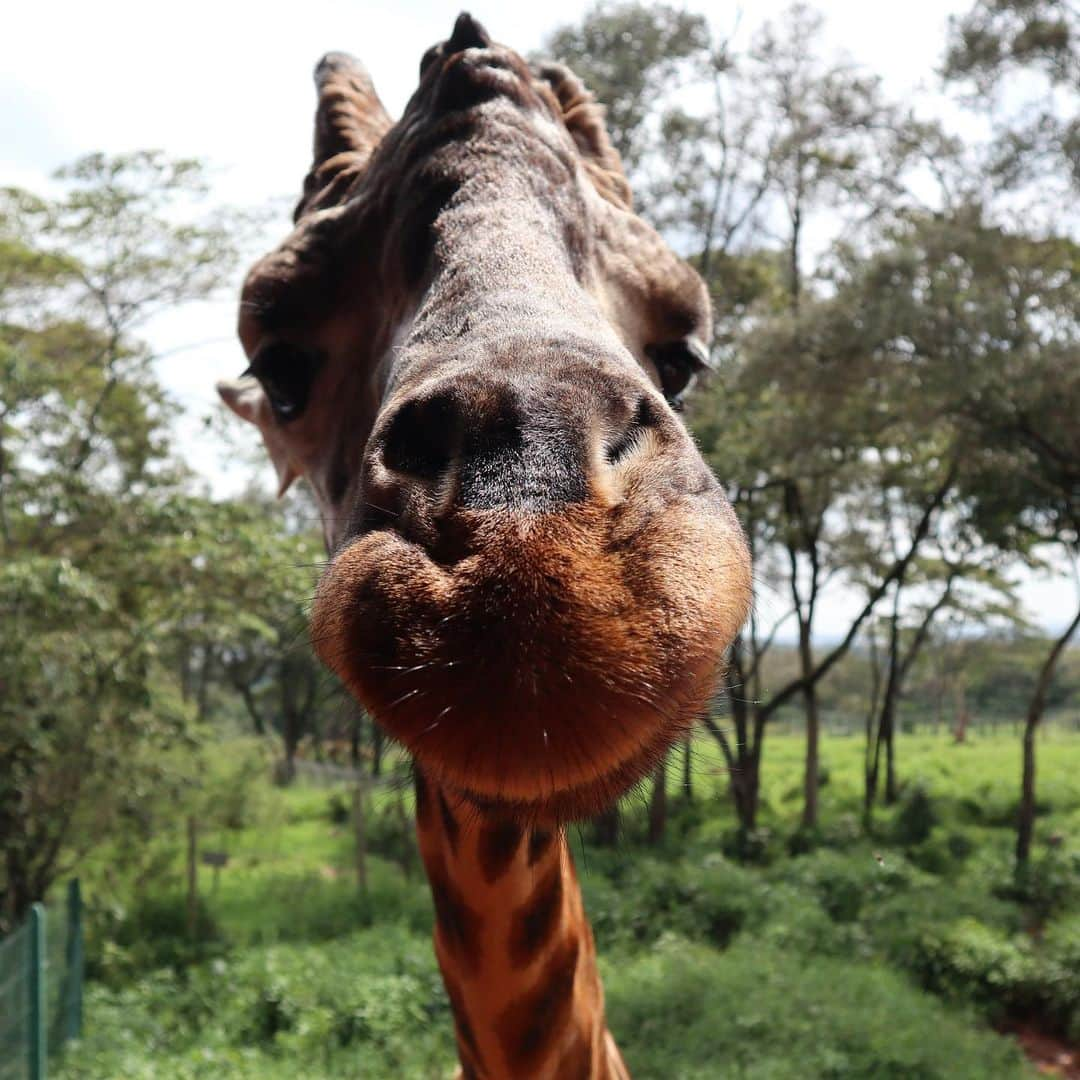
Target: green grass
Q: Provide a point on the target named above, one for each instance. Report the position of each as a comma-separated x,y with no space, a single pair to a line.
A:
889,955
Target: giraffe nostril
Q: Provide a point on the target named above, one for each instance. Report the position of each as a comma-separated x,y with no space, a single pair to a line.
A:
423,437
645,416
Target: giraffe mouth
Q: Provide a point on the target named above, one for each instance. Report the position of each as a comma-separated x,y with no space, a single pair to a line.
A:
549,668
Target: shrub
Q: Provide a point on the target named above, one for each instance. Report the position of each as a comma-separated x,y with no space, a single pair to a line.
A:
846,883
1046,886
711,900
391,833
338,809
752,846
803,840
684,1010
372,1005
916,819
152,934
1006,977
942,855
972,962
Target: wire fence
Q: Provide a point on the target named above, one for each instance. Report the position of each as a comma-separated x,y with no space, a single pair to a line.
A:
41,985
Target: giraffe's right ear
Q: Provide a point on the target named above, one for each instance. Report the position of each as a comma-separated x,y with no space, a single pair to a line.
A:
246,397
584,119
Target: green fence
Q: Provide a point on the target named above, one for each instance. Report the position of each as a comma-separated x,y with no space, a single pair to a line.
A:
41,982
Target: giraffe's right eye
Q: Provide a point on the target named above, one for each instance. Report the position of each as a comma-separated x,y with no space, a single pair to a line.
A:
677,364
287,373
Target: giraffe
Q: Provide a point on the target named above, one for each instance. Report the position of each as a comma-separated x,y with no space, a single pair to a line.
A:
474,352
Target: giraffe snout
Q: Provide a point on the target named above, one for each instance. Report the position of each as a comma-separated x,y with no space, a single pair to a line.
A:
452,454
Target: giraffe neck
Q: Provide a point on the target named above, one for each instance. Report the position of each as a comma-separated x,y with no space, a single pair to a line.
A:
513,944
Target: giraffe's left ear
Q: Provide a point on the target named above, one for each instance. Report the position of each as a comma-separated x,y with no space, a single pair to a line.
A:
248,400
350,122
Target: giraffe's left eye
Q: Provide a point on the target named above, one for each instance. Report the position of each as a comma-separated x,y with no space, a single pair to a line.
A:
677,364
287,373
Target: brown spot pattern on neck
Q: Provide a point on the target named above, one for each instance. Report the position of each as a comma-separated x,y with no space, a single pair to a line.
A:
534,923
498,844
513,944
528,1024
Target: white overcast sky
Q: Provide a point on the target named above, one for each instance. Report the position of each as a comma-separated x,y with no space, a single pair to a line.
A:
230,82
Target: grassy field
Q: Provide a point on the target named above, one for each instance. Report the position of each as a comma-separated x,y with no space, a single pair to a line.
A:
893,955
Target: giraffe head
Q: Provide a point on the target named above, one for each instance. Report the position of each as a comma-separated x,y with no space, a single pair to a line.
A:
473,351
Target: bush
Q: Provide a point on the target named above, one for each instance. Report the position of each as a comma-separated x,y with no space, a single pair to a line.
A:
711,900
756,1011
1006,977
942,855
971,962
803,840
916,819
805,929
391,833
338,809
370,1006
152,934
1046,886
845,884
751,846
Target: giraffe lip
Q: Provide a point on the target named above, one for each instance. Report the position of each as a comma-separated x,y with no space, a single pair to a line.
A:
549,667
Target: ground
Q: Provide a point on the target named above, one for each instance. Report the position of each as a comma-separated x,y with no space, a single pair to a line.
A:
843,955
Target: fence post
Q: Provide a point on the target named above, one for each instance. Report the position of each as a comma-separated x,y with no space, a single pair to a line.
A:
75,963
36,982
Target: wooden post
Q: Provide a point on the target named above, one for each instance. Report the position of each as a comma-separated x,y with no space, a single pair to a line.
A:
192,877
361,837
38,1048
73,998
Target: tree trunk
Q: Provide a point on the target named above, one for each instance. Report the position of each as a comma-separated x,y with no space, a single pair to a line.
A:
887,716
1026,824
377,742
658,805
253,710
870,750
192,877
753,771
203,694
744,768
606,827
811,777
356,731
892,787
688,769
360,833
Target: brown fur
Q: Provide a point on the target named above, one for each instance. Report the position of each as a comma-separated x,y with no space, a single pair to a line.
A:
528,1001
534,574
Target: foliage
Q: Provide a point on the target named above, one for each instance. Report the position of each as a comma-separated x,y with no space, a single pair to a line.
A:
91,509
894,411
840,959
118,585
994,42
654,42
874,1025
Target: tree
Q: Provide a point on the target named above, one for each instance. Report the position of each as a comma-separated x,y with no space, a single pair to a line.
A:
733,173
629,54
242,621
91,523
1037,143
986,316
1038,137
